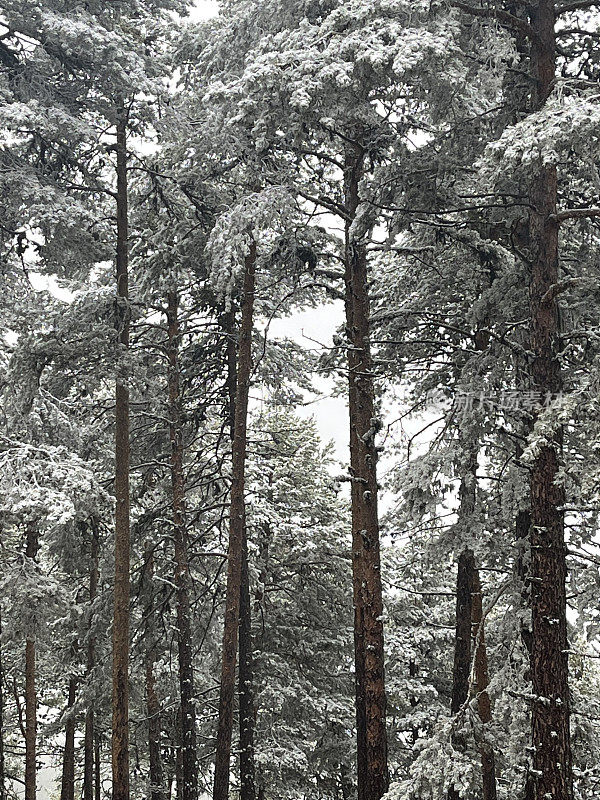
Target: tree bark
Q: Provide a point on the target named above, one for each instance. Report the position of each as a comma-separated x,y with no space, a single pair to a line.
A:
97,768
120,661
245,683
462,641
246,669
31,550
67,791
480,685
88,744
236,534
464,597
372,769
551,775
522,536
189,764
152,703
179,760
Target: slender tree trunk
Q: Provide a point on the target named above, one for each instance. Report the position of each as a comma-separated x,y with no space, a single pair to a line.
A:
31,549
88,745
462,642
373,776
67,791
481,683
88,756
120,663
152,704
2,767
246,670
246,680
97,769
236,535
552,761
464,598
522,536
182,569
179,761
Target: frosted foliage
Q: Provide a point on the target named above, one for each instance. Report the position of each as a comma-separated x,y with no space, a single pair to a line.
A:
261,217
436,768
565,124
380,45
346,61
48,486
49,121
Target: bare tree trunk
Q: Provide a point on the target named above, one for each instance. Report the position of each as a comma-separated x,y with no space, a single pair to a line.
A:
182,568
152,704
245,681
67,791
88,756
552,760
480,685
462,641
246,670
97,768
236,535
522,536
179,761
464,597
373,778
120,663
31,549
88,745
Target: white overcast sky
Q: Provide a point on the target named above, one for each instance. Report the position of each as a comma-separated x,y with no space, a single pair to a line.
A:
204,9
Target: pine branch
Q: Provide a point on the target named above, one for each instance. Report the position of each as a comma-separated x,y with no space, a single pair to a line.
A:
565,32
576,5
502,16
330,205
559,288
576,213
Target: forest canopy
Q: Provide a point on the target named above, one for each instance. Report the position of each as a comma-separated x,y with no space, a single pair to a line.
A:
225,238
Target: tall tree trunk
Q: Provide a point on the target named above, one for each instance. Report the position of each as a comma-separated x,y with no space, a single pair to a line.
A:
372,770
480,685
67,791
464,596
552,761
245,670
152,704
88,745
97,768
120,661
189,764
179,760
522,536
462,641
245,682
237,528
31,549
